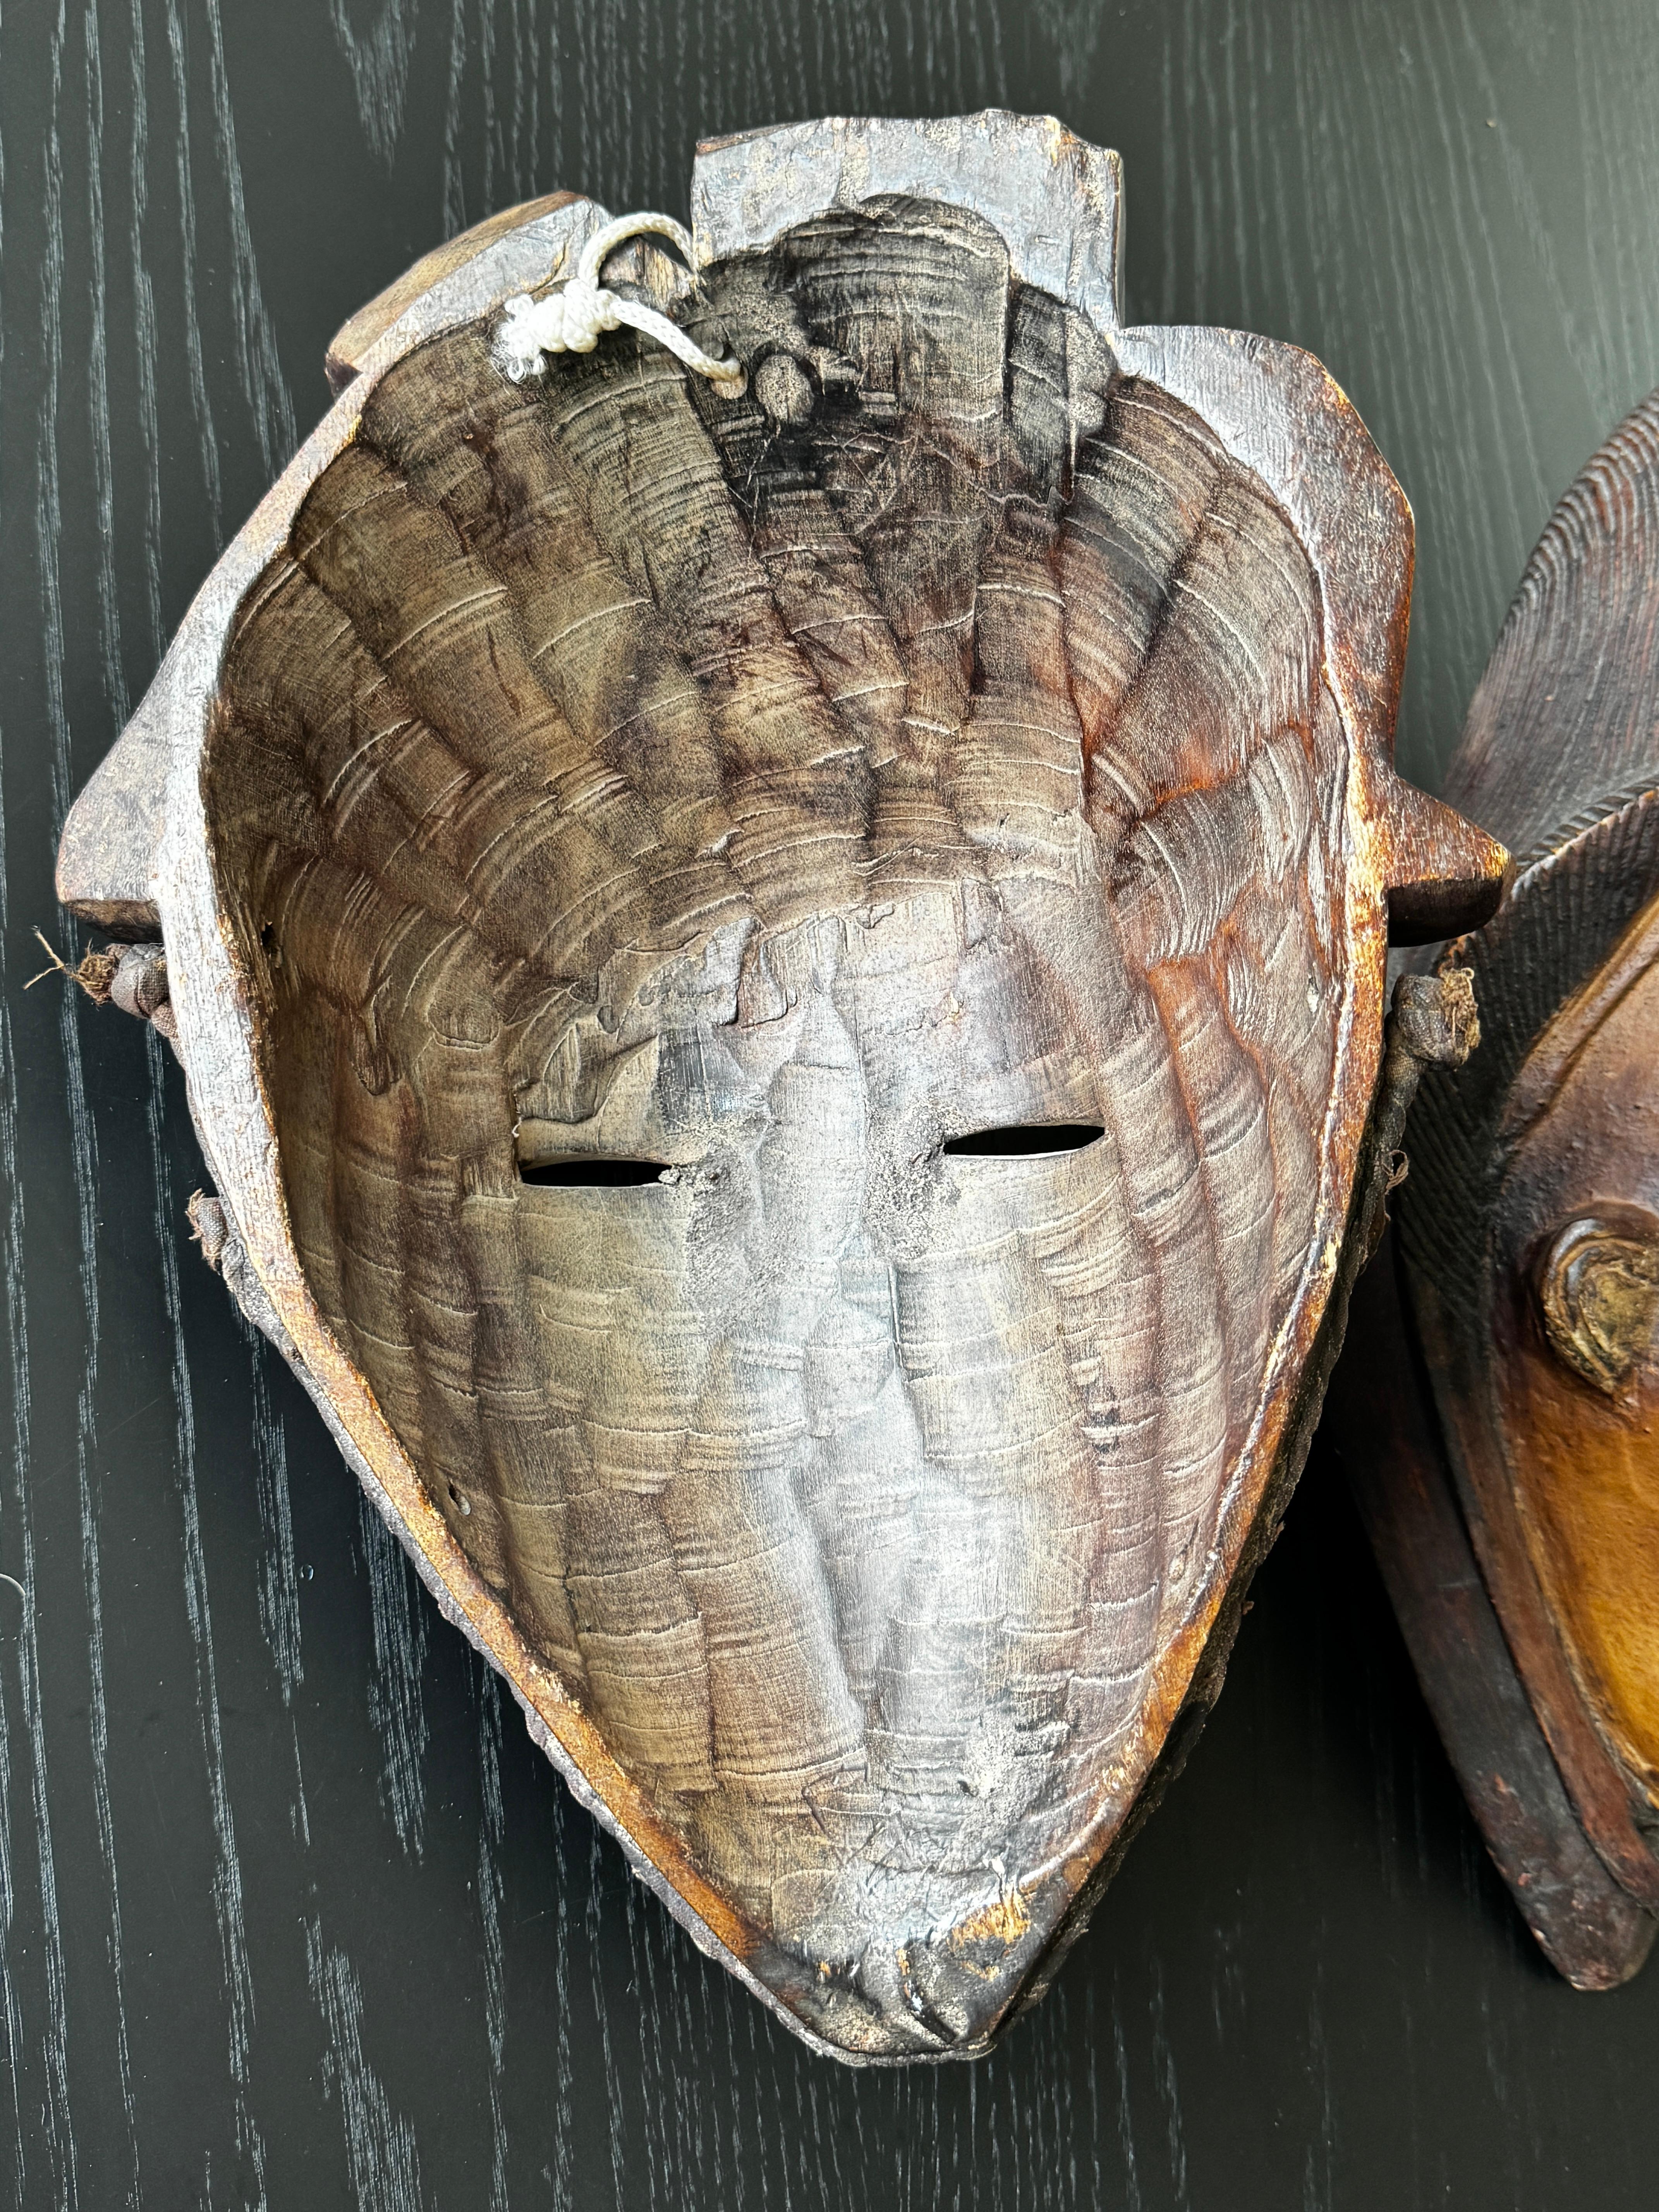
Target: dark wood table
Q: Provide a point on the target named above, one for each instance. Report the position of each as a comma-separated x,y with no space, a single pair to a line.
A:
293,1914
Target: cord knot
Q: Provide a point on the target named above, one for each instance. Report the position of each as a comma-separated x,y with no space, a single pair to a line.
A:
571,320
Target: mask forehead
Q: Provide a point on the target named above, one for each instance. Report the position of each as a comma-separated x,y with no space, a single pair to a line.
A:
956,734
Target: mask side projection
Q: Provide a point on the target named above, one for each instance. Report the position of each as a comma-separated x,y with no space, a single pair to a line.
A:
783,994
1513,1503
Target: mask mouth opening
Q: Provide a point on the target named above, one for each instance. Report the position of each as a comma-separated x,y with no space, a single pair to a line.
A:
1026,1140
595,1172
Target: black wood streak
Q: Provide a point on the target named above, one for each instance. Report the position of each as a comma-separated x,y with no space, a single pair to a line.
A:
291,1913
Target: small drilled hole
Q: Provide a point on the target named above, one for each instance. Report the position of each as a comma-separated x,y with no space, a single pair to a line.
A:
591,1174
1027,1140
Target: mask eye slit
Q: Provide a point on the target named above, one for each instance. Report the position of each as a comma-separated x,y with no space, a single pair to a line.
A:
593,1174
1026,1140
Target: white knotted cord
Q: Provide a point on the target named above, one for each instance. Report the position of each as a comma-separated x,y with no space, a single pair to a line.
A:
570,320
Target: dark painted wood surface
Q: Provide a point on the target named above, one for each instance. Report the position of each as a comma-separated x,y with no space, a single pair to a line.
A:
292,1913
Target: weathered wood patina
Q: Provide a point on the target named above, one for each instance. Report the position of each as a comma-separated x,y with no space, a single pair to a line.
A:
1509,1467
783,994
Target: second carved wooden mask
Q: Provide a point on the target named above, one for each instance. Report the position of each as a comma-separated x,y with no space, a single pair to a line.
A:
783,992
1499,1411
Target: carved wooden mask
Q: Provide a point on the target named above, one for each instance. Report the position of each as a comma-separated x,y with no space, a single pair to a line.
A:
1529,1233
782,994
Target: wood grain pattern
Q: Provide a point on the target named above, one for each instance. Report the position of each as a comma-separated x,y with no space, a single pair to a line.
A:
1308,1981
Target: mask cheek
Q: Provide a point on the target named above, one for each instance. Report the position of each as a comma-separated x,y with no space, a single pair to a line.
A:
1586,1472
1576,1386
